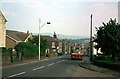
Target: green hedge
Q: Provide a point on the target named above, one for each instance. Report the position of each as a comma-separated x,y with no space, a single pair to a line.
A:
42,51
107,64
4,49
27,49
60,54
100,57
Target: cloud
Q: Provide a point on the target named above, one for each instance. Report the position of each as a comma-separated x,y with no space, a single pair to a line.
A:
12,14
102,12
43,8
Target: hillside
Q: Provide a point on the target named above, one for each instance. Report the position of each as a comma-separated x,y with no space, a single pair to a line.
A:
61,36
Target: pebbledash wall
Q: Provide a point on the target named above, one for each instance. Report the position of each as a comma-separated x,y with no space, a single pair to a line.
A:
2,30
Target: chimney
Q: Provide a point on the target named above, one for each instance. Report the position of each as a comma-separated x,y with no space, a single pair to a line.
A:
55,36
27,32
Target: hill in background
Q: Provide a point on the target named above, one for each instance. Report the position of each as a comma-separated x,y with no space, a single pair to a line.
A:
70,38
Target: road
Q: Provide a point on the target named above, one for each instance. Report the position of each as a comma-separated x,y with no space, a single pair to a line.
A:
59,67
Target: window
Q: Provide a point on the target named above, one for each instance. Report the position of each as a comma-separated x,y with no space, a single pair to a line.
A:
53,44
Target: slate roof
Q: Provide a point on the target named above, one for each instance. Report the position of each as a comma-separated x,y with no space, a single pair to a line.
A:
49,38
16,35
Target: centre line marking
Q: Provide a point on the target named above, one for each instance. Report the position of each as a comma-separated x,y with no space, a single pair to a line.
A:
58,62
51,64
16,74
39,68
63,60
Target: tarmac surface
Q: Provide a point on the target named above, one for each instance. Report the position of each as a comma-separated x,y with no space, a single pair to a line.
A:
84,66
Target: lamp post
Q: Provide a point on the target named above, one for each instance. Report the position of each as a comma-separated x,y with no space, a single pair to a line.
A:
91,52
39,34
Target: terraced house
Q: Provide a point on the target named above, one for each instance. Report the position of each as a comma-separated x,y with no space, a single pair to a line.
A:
2,30
54,45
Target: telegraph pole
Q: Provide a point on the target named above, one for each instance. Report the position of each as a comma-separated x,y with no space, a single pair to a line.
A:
91,51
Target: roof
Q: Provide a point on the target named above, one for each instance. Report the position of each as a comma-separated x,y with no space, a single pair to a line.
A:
49,38
3,16
16,35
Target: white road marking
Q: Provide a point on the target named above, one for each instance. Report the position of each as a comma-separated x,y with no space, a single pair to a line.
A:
58,62
60,57
63,60
38,68
16,74
51,64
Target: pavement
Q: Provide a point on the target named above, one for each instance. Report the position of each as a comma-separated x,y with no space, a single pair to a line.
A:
90,66
27,61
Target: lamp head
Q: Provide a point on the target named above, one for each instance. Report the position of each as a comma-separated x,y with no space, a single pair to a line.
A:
48,23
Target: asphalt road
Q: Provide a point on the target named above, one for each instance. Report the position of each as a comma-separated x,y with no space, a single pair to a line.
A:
59,67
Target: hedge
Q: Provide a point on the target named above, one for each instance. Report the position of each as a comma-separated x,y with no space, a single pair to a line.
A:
60,54
27,49
107,64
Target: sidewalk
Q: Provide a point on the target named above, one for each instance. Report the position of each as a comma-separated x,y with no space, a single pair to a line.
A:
92,67
27,61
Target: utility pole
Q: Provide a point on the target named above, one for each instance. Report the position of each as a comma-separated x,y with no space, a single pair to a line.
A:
91,51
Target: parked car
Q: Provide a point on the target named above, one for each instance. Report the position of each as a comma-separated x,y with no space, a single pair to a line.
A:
76,54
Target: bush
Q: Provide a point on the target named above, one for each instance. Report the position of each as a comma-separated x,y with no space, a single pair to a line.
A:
42,51
27,49
107,64
100,57
105,58
4,50
60,54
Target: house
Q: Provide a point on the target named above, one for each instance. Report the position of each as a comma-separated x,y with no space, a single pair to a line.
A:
2,30
53,44
67,46
15,37
95,51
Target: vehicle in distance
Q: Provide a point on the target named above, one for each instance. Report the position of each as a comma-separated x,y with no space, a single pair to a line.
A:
76,54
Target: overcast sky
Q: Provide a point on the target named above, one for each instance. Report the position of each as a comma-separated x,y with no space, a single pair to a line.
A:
68,17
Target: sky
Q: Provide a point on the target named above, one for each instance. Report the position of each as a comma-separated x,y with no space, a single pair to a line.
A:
68,17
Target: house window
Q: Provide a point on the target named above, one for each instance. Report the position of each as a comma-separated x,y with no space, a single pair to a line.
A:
53,44
60,44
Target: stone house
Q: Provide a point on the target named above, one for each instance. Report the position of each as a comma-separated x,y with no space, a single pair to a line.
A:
54,45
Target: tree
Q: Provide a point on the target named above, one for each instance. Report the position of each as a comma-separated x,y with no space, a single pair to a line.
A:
108,38
43,43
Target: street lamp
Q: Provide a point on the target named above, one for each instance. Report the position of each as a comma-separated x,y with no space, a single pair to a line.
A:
91,51
39,33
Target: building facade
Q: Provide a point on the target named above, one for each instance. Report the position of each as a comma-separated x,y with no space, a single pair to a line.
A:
2,30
